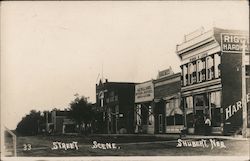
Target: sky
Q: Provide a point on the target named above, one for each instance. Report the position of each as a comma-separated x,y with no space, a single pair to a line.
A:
53,50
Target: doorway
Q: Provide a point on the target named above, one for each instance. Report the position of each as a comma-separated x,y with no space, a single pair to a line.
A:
200,111
160,123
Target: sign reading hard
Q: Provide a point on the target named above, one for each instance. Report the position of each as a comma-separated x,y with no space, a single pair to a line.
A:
232,109
234,42
144,92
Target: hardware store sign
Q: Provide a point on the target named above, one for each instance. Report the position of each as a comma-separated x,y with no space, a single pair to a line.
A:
234,42
144,92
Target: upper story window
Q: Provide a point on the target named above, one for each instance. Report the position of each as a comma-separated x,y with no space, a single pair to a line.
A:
184,75
209,68
217,61
199,70
190,73
112,96
194,72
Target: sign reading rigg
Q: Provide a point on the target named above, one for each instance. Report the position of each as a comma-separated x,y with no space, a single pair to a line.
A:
234,42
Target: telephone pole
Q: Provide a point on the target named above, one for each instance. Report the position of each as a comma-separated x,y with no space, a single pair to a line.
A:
244,103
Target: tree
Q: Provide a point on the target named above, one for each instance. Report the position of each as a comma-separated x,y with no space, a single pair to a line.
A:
81,111
30,124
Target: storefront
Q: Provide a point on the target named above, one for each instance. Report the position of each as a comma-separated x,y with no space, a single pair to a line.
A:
211,81
115,103
168,110
58,122
144,105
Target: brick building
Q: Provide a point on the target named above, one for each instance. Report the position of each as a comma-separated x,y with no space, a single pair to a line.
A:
115,103
211,79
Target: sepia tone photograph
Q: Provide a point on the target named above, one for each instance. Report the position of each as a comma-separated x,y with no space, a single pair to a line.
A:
125,80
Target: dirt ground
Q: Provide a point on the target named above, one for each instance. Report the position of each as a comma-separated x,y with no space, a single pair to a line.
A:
43,146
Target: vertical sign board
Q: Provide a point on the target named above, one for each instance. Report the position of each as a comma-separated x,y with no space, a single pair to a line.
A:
248,101
231,79
144,92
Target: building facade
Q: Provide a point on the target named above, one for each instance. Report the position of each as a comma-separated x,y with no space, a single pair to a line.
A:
158,107
168,108
115,103
144,105
58,122
211,79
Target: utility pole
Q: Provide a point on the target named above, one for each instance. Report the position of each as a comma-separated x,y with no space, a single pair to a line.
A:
244,103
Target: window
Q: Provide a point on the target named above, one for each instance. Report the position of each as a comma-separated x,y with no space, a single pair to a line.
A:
189,101
178,116
217,62
102,102
109,114
215,98
112,96
190,73
194,73
199,70
170,112
138,114
117,112
174,115
184,75
151,116
199,101
209,68
189,111
160,122
160,119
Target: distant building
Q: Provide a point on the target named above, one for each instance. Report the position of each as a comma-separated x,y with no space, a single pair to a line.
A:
211,79
58,122
115,103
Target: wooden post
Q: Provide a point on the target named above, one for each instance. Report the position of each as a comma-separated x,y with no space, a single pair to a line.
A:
244,104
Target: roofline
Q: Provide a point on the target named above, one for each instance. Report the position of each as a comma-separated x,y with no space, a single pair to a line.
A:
168,77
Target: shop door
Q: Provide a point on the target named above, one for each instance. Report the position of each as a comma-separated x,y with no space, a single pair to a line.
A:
114,124
160,123
200,106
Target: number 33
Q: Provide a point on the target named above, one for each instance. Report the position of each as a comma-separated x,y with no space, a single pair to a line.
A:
26,147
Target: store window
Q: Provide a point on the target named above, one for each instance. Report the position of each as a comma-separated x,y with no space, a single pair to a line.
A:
215,98
170,112
144,115
189,111
178,113
151,116
138,114
174,115
200,101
